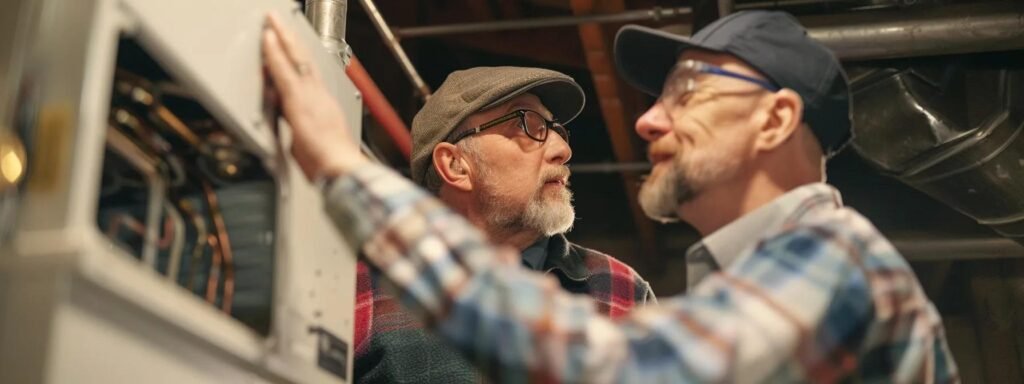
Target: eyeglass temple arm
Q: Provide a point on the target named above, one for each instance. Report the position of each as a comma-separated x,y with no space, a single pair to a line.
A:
482,127
510,116
722,72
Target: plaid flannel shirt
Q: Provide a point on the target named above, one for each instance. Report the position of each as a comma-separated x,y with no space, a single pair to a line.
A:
826,299
391,346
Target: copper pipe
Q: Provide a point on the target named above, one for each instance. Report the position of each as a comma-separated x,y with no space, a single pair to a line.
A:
214,277
129,221
380,108
141,91
168,234
396,49
176,125
197,251
224,244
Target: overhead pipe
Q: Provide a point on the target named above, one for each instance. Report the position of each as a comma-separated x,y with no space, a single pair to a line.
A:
946,30
610,167
328,20
655,14
948,249
396,49
632,16
726,7
380,108
864,35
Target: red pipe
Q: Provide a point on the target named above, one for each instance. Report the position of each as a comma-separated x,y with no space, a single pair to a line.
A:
380,108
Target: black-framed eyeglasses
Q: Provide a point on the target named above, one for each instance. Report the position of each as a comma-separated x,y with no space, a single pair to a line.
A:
534,124
683,79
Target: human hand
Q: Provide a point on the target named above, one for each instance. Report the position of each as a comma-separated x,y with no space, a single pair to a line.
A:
321,143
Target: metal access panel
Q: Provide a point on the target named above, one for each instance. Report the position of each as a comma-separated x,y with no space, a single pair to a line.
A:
163,234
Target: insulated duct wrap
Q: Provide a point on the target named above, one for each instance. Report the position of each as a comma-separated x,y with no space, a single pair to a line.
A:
950,127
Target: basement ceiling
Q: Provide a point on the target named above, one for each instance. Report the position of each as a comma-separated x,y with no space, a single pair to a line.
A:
603,138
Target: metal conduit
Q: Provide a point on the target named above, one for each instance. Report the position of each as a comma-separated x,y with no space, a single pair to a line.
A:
610,167
865,35
655,14
328,20
396,49
952,29
947,249
639,15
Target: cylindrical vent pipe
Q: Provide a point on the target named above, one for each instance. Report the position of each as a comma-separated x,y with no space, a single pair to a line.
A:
952,29
328,20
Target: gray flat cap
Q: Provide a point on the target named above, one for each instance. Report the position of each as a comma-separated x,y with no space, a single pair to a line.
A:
477,89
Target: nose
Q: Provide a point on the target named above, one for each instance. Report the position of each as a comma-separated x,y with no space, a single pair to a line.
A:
557,150
654,123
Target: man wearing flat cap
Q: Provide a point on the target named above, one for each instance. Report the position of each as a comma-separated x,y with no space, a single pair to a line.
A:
788,284
492,144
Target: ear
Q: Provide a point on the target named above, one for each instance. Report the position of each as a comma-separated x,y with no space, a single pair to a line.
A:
785,112
452,166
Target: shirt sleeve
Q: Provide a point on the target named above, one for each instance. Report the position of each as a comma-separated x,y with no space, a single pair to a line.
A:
760,320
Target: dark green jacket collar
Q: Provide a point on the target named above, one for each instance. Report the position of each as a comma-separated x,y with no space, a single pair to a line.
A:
566,258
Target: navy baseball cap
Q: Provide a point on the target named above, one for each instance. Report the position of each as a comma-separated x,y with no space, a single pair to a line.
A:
772,42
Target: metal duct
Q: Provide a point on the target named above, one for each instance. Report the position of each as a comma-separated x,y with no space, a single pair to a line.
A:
952,29
631,16
863,35
951,128
328,20
655,14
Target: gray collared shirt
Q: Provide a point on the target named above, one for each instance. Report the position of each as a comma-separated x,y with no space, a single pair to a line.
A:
720,249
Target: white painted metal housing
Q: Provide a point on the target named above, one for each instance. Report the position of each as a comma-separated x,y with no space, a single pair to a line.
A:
76,308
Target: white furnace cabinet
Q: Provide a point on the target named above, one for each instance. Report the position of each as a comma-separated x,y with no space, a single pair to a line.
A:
161,234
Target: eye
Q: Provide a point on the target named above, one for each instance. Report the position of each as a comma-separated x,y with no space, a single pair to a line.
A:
684,98
521,123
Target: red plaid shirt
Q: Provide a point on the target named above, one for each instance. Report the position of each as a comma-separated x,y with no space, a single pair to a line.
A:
390,345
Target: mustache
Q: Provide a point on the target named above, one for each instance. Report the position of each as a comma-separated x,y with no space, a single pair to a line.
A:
556,174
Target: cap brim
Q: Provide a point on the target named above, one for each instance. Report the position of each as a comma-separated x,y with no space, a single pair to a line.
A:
644,56
563,98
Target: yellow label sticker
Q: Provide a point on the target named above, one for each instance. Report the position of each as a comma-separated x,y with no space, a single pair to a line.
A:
51,150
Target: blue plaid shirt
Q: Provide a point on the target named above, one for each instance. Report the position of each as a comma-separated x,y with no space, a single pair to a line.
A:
822,298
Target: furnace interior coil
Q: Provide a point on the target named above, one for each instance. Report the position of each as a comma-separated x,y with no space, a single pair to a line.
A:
181,194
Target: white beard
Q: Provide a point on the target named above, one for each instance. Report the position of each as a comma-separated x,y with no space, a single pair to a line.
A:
547,212
550,215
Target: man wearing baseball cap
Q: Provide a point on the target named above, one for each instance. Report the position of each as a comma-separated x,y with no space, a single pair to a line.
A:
492,144
788,284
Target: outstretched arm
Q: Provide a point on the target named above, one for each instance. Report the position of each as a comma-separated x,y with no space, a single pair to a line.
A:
517,325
